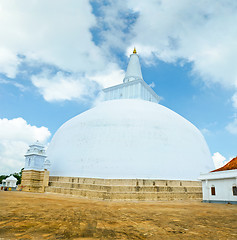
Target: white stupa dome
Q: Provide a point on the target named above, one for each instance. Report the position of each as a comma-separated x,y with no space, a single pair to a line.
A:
129,139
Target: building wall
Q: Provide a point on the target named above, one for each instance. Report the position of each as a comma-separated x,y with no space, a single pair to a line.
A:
35,162
223,189
136,89
11,184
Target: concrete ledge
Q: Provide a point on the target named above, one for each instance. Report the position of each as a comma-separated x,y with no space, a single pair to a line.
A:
123,188
123,196
126,182
219,201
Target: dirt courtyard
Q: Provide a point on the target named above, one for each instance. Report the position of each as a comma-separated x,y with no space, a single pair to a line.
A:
50,216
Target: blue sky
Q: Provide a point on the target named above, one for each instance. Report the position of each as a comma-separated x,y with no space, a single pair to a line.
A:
56,56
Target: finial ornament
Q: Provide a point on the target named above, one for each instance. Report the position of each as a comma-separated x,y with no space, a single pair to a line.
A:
134,51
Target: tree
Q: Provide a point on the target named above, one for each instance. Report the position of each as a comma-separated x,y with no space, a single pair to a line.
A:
16,175
2,177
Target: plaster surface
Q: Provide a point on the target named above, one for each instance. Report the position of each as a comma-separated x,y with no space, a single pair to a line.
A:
129,139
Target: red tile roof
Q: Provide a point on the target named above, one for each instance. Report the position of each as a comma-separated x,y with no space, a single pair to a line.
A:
229,166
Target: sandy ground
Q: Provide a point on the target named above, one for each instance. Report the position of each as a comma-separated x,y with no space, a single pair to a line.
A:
52,216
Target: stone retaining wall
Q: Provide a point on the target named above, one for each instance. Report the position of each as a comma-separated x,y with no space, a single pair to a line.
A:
125,189
34,181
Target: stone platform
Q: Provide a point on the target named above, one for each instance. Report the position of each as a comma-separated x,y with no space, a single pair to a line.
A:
34,181
125,189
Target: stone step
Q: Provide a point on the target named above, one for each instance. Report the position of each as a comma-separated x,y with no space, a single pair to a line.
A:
123,188
125,182
140,196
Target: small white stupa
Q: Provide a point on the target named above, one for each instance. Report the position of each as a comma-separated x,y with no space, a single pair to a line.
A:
129,135
35,158
10,182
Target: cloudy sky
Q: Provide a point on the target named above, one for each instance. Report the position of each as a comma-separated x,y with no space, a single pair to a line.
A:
55,57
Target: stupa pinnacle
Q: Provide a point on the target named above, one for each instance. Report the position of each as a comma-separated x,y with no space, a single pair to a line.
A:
133,86
134,68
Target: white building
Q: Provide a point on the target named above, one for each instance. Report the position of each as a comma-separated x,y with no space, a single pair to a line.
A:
10,182
35,158
129,135
220,185
3,183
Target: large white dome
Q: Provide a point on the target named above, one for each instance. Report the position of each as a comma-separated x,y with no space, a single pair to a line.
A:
129,139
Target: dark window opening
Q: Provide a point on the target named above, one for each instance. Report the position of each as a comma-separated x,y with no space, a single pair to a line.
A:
213,191
234,190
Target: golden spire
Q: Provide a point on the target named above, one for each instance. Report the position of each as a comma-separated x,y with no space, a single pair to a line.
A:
134,51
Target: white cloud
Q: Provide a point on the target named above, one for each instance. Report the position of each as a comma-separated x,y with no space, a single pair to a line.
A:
232,127
219,160
205,131
230,158
152,85
199,32
109,77
14,83
234,100
15,137
53,33
60,87
9,62
115,24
